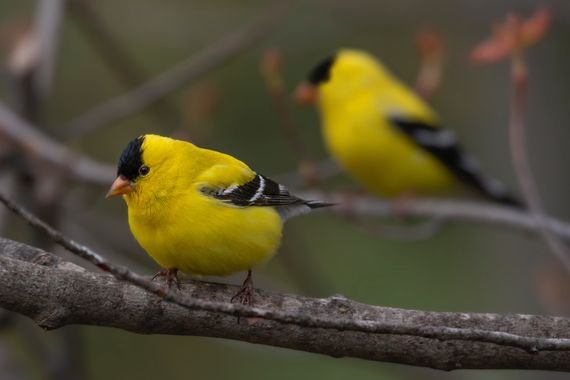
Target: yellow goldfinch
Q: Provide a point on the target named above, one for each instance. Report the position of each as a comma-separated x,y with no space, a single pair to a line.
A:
200,211
385,136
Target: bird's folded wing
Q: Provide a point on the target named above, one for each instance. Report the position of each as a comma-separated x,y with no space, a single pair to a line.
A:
245,188
443,145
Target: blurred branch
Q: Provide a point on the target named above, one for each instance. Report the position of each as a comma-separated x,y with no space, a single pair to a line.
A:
444,209
188,70
522,165
84,169
510,39
47,28
128,70
517,134
87,170
117,56
36,144
55,293
271,69
41,184
8,185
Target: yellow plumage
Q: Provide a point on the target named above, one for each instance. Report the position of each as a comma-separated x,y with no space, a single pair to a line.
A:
200,211
181,227
355,105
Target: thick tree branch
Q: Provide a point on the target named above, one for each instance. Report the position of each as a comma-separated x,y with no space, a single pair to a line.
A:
528,343
56,293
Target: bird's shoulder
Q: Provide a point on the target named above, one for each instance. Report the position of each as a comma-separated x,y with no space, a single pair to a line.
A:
396,99
221,170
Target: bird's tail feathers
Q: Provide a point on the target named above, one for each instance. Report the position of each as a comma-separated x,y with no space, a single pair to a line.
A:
495,190
299,208
319,204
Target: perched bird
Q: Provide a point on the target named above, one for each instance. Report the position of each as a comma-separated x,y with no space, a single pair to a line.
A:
200,211
387,137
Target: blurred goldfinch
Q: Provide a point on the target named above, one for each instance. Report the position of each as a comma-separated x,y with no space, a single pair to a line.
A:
200,211
385,136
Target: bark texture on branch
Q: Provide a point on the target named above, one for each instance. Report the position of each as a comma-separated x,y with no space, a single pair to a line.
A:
55,293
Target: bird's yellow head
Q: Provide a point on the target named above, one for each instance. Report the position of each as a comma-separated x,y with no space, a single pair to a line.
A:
341,77
150,168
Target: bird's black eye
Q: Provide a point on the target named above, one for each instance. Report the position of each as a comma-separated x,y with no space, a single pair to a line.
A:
143,170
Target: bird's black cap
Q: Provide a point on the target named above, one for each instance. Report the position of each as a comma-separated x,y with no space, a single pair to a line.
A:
322,72
131,159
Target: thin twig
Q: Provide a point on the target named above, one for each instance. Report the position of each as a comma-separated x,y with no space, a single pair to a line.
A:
188,70
128,71
273,75
521,162
271,70
47,28
528,343
36,144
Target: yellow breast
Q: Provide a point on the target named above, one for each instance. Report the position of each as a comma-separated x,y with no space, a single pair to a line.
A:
200,235
385,162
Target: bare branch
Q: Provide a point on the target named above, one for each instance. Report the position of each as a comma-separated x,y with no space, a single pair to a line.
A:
46,30
444,209
271,70
36,144
55,293
188,70
117,56
521,162
532,344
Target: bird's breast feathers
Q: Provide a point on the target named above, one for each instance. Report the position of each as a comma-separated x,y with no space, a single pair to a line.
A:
203,235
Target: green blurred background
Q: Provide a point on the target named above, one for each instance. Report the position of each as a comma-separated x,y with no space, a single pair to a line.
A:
466,267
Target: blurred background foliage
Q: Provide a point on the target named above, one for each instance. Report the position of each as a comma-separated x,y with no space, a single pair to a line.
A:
466,267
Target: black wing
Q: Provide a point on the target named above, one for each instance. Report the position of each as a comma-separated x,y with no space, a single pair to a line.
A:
443,145
260,191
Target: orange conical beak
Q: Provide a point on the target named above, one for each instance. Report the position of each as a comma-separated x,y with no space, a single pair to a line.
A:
306,93
119,187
